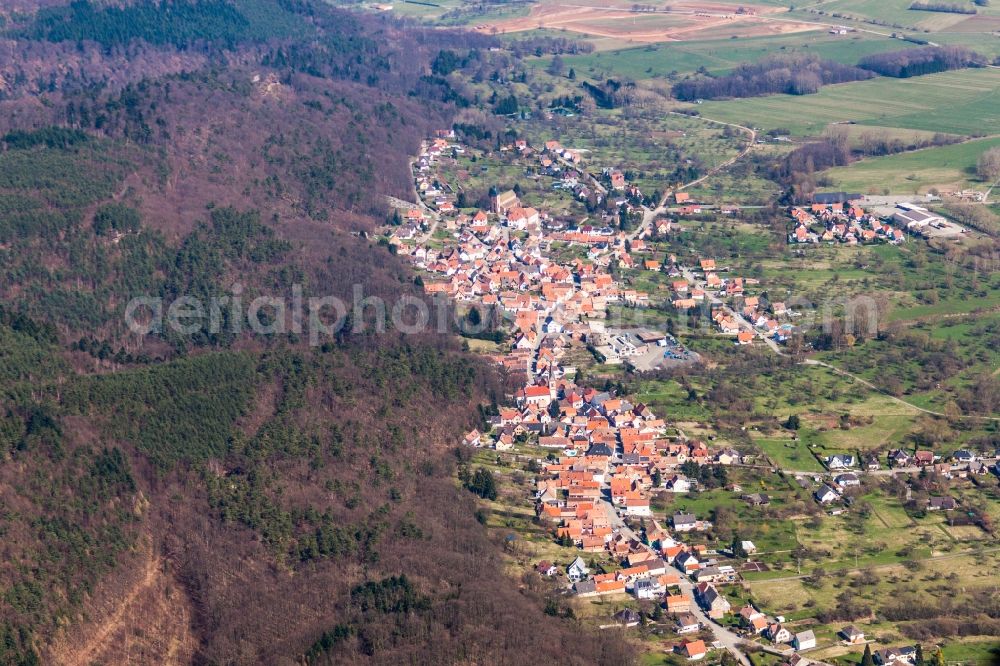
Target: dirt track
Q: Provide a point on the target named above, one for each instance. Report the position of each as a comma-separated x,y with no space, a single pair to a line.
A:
147,622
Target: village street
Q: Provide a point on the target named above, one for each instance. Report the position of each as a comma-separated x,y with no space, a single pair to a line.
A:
728,639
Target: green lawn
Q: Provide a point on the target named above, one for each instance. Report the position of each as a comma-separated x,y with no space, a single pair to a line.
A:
979,653
789,454
668,399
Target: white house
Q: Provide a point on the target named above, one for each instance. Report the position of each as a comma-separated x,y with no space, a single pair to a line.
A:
804,640
847,480
840,461
826,495
577,570
687,623
678,484
647,588
637,506
778,634
684,522
852,634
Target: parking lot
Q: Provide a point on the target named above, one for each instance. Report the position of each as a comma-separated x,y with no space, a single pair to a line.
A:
647,350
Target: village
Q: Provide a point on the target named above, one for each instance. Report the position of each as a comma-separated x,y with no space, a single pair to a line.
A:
555,280
606,456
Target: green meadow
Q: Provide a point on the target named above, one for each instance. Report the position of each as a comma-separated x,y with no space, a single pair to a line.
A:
915,172
721,55
963,102
894,13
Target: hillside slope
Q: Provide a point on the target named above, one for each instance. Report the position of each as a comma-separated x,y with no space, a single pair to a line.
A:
220,497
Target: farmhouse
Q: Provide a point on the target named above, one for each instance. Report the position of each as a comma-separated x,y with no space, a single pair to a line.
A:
941,504
626,617
778,634
900,655
714,603
847,480
546,569
840,461
684,522
757,499
899,458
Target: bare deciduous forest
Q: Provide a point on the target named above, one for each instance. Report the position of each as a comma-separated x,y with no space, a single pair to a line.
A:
216,498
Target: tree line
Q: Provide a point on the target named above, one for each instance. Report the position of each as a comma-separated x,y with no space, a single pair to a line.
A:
945,7
795,74
917,62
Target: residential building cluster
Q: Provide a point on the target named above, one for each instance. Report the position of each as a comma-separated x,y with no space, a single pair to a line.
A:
841,222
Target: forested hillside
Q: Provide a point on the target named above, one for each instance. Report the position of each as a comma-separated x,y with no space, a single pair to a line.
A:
216,497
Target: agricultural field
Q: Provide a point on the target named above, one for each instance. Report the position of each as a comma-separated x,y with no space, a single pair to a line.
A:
965,102
719,56
947,168
888,14
616,24
449,12
987,43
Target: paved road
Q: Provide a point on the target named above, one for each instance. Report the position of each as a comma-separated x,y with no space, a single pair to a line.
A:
616,522
727,638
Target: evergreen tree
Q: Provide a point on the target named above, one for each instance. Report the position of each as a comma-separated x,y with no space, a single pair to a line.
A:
737,547
867,660
508,106
483,484
919,658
